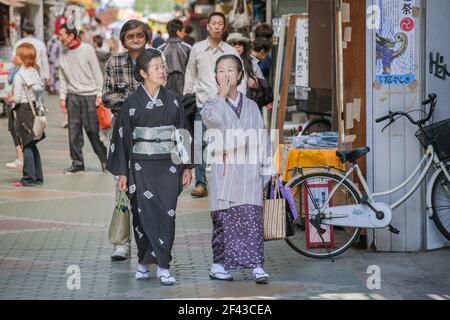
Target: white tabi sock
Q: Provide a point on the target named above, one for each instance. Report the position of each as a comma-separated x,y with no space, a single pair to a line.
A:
162,272
142,268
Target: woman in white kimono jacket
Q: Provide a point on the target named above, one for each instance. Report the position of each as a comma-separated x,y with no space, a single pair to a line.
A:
147,159
241,166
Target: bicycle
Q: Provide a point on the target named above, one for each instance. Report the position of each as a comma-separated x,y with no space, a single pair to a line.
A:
322,124
335,209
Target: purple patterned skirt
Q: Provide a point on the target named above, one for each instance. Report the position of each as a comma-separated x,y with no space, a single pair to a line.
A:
238,237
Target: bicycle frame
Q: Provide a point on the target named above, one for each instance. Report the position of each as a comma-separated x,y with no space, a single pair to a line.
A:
428,158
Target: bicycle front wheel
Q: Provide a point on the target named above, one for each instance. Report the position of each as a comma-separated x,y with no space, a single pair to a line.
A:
311,192
440,201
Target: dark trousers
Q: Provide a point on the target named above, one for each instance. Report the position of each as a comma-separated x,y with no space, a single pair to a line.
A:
200,169
32,166
11,128
82,113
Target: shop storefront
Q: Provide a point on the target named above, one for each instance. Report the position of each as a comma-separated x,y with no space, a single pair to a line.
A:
242,15
437,80
12,17
412,77
32,12
355,62
5,53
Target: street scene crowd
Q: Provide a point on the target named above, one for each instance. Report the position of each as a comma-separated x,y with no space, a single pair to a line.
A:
152,88
213,130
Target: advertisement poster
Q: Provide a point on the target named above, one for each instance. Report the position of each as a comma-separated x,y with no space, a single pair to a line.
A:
395,42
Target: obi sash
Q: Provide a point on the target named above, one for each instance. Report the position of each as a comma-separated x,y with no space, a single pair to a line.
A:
159,140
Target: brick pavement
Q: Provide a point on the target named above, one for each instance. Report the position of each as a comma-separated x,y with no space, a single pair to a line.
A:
45,230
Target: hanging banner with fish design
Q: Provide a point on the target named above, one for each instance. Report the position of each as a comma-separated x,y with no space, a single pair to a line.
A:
395,42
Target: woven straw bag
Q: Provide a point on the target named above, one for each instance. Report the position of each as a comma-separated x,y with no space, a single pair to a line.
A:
274,215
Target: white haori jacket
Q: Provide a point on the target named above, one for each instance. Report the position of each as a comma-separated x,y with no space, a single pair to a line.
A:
240,153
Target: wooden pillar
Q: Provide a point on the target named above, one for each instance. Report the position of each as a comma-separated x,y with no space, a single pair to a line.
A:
355,72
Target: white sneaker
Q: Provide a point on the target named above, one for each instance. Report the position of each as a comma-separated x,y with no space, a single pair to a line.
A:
16,164
260,275
121,253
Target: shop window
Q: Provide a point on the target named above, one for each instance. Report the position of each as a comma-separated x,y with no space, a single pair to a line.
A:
308,90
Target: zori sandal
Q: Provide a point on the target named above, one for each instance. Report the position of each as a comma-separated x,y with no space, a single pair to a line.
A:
224,276
260,276
167,281
142,275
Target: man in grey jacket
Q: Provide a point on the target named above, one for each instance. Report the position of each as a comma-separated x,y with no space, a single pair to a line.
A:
176,53
80,93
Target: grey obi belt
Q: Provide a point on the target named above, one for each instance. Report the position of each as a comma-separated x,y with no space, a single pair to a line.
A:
159,140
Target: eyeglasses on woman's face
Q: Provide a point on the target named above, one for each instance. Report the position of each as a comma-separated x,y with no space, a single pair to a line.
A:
135,35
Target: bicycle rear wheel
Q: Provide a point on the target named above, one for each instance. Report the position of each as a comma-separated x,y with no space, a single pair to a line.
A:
440,201
316,125
310,191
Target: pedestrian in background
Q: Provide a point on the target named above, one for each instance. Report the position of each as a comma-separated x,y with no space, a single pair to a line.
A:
243,47
80,94
27,86
264,30
41,50
102,57
158,41
119,84
187,35
18,163
261,49
150,39
177,54
54,49
101,54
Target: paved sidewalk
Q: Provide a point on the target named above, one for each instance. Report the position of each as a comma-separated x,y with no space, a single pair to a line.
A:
45,230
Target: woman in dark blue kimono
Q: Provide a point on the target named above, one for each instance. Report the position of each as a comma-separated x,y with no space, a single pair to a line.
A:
147,154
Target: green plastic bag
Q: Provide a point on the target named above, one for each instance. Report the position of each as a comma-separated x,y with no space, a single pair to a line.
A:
119,230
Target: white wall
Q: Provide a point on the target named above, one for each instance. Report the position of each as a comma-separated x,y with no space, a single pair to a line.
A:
435,23
395,152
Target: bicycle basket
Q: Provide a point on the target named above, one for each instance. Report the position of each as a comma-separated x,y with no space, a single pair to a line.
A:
437,134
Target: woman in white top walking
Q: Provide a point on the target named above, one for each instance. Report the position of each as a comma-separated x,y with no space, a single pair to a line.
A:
23,115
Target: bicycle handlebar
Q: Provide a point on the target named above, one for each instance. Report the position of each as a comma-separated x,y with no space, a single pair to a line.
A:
431,100
383,118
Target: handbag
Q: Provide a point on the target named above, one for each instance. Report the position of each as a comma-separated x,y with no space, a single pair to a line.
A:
104,117
274,215
291,211
263,95
238,17
40,121
119,228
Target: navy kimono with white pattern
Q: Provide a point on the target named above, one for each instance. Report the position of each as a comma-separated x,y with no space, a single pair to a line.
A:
154,181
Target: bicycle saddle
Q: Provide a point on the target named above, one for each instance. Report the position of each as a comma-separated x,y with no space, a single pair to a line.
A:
352,155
